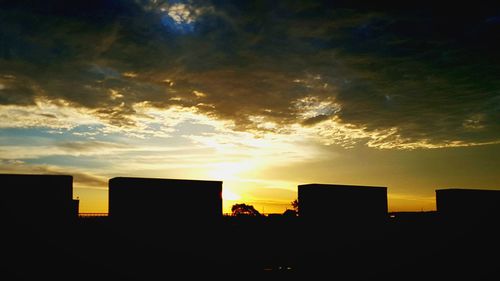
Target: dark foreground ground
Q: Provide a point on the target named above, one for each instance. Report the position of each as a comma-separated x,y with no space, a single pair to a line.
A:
425,248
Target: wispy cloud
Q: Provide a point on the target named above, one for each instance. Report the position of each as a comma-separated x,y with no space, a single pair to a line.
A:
80,179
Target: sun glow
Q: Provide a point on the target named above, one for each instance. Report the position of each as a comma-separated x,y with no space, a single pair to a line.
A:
230,170
229,195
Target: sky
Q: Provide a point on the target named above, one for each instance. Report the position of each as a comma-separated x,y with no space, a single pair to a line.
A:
263,95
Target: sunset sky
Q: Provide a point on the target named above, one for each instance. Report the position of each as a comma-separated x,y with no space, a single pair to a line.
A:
263,95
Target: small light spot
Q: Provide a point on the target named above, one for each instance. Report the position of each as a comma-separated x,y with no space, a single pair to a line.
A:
114,94
199,94
169,82
9,76
129,74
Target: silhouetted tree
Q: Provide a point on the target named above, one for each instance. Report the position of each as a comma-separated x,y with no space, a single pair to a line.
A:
244,210
290,213
295,205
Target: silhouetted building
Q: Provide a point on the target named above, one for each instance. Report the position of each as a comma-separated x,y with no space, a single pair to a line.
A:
342,203
37,198
164,200
468,204
75,208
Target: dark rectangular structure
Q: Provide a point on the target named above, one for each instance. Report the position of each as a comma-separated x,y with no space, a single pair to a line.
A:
342,203
468,204
30,198
154,200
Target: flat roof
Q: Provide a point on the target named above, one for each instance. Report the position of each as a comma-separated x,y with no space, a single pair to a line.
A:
341,186
160,179
468,190
34,175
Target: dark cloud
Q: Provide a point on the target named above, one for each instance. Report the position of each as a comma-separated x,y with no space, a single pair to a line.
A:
429,70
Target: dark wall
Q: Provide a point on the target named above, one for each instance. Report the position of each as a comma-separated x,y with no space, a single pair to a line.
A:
37,197
468,204
342,203
138,199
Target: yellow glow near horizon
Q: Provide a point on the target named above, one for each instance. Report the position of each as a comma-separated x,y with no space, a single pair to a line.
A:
246,162
229,195
230,170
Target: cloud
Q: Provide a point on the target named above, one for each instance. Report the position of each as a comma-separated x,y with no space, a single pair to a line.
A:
386,77
64,148
55,114
80,179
